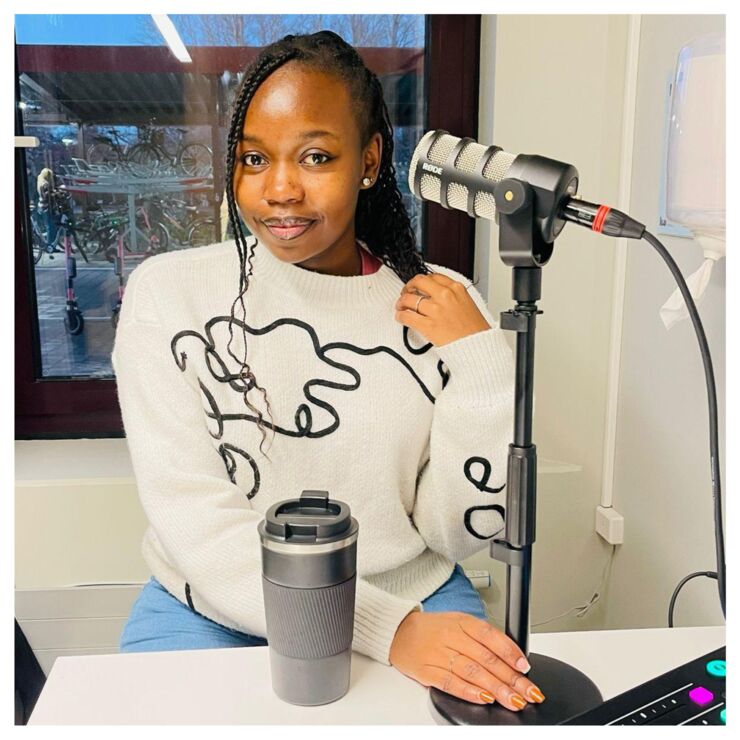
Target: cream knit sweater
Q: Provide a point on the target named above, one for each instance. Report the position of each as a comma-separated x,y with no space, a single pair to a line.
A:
412,436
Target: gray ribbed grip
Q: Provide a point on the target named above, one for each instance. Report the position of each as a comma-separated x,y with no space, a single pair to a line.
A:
309,622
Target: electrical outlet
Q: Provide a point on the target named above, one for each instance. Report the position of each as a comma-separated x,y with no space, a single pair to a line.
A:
610,525
479,578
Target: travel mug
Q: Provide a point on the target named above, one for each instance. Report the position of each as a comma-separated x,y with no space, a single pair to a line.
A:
309,559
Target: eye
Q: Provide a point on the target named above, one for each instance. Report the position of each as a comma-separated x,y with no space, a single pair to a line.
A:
326,157
247,159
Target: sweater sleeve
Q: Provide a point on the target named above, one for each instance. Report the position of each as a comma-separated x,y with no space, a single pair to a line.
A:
461,490
204,522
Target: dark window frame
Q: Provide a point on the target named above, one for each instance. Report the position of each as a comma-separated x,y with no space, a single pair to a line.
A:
88,408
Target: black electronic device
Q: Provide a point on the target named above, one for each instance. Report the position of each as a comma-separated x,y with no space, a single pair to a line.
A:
691,694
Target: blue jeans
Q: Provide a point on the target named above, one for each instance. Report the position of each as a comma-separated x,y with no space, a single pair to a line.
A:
158,621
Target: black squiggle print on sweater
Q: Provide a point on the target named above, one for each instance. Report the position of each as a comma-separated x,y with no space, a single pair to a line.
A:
481,485
303,416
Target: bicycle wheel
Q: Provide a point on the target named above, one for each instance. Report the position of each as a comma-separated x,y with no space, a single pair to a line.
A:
102,153
143,160
202,232
159,238
38,245
148,241
195,160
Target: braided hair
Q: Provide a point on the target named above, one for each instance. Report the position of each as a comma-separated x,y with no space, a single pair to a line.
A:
381,220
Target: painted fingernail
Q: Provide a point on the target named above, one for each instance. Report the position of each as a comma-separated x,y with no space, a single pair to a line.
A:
486,697
523,665
536,694
518,701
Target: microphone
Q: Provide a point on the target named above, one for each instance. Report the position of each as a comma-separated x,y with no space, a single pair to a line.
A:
462,174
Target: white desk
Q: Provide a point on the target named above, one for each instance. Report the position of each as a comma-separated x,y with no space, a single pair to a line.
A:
232,685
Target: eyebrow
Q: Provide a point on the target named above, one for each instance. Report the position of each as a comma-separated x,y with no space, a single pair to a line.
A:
316,133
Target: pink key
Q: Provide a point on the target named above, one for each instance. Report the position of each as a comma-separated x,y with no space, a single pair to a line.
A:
701,696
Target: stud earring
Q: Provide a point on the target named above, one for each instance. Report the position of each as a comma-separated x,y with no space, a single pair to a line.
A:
366,181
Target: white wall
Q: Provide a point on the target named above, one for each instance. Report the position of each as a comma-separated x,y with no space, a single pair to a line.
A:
77,514
662,477
556,89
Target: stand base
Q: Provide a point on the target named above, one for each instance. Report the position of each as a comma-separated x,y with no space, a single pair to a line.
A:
567,691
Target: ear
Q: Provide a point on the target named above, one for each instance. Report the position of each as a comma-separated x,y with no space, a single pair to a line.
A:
371,157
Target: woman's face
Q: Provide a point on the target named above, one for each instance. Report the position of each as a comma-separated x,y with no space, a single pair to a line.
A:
299,169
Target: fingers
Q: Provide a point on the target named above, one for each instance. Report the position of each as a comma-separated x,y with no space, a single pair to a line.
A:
486,670
413,320
451,684
470,682
409,302
423,283
432,285
496,641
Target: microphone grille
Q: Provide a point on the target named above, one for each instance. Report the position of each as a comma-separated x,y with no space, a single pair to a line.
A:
431,188
430,185
495,169
441,148
470,156
457,196
498,165
438,155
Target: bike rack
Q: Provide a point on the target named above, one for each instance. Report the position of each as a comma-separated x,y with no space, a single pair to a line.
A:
84,178
81,177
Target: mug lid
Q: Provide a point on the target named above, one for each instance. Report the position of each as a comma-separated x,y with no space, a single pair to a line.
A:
308,518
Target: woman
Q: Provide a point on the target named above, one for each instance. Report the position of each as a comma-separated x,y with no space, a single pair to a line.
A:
389,385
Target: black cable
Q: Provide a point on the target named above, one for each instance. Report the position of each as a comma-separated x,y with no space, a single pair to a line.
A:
713,434
707,573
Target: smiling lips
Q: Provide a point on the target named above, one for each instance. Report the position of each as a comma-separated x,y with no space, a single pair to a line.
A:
288,228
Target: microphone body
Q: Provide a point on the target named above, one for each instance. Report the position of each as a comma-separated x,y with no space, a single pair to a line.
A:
462,174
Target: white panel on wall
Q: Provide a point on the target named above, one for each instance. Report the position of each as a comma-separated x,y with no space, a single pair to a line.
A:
83,620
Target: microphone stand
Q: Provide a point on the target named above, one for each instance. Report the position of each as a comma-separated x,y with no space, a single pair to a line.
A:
528,224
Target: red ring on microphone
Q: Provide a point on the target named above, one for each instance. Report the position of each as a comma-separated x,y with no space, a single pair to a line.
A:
601,215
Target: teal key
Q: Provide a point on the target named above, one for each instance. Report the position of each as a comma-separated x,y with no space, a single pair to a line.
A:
716,668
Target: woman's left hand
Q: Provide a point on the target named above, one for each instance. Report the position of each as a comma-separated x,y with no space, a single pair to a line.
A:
446,313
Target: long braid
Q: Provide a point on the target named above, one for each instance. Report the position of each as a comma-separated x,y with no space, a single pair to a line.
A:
381,220
249,86
394,229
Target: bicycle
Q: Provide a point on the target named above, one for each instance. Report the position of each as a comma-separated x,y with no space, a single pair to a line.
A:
113,151
52,218
53,224
182,222
150,154
153,234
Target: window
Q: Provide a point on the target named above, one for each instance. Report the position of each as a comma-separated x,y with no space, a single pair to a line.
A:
130,163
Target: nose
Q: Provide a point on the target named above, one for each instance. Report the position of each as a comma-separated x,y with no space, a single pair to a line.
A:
283,184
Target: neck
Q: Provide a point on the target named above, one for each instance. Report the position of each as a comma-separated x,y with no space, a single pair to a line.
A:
351,266
379,289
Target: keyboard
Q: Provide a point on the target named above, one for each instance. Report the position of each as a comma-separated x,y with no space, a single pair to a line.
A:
691,694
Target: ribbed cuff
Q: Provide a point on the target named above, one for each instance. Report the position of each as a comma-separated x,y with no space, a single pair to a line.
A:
377,616
480,365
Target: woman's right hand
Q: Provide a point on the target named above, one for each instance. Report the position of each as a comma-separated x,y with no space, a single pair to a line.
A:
463,656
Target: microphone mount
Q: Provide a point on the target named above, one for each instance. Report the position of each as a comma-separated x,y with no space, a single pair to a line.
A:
529,220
